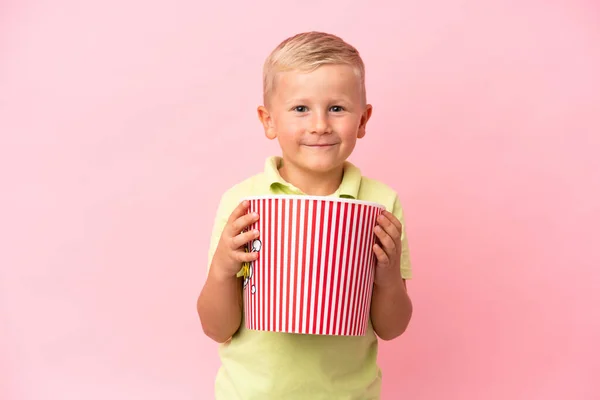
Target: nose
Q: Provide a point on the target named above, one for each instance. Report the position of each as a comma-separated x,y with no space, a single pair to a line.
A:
320,124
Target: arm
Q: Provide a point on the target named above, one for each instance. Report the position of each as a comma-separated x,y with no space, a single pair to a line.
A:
391,307
220,302
220,306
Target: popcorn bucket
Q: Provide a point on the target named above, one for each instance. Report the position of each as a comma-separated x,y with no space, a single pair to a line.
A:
314,272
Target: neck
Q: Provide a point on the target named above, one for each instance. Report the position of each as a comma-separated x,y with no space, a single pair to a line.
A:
313,183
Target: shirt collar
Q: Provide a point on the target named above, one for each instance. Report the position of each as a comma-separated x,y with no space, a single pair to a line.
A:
348,188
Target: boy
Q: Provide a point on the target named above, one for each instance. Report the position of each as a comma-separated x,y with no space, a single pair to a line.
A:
315,105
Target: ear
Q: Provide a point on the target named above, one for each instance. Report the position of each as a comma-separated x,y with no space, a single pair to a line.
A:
267,122
366,115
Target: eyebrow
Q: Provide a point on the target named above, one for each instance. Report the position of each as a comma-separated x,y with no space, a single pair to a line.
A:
296,101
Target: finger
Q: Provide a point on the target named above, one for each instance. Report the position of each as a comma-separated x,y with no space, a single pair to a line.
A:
385,239
243,238
243,256
388,225
240,210
382,257
243,222
394,221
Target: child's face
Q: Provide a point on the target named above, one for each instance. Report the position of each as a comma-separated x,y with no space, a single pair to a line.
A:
316,116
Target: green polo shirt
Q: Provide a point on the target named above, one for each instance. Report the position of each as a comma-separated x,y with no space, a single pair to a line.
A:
282,366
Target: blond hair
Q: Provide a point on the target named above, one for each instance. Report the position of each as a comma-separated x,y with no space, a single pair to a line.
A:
308,51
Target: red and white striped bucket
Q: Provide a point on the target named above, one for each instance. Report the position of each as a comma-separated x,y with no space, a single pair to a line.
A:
314,272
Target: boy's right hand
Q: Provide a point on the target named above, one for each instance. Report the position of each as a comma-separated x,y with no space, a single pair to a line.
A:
230,252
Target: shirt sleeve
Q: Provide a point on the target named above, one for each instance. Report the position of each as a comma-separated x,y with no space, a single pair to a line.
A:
405,263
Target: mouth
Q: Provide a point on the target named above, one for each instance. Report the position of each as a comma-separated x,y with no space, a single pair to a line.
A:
321,145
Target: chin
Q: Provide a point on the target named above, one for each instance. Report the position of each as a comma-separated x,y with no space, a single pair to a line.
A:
322,166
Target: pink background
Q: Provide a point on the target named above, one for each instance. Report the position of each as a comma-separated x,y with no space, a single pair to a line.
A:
122,122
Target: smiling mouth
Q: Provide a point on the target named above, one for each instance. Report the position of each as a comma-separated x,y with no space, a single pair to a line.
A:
320,145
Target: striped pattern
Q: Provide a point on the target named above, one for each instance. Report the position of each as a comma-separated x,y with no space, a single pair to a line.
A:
312,280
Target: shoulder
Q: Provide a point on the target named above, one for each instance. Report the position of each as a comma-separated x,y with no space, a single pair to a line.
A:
379,192
251,186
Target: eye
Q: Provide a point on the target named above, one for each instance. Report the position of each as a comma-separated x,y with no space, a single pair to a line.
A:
337,109
301,109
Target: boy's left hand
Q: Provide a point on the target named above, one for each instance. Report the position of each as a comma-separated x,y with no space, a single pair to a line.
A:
388,249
